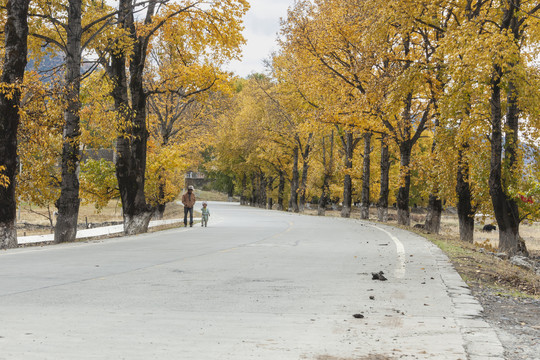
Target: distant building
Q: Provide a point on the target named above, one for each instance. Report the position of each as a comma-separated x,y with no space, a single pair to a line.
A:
98,154
197,179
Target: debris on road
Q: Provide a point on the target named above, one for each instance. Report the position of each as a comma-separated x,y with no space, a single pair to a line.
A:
378,276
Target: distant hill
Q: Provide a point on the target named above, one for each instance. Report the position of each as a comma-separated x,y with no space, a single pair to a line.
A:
47,65
50,64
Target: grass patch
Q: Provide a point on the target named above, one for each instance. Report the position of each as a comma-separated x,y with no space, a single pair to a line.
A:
203,195
35,220
483,270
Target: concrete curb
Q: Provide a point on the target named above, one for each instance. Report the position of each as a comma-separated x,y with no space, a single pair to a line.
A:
98,231
480,339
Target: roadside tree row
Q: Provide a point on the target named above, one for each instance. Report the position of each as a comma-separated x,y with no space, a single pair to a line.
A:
139,79
405,102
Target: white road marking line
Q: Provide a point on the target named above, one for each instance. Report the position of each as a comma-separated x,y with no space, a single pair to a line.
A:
400,270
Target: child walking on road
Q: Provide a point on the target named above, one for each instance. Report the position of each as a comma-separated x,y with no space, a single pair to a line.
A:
205,214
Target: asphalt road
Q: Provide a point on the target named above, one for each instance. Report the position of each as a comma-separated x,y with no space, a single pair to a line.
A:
254,284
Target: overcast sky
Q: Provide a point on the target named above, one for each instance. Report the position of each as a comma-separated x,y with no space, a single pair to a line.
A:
261,27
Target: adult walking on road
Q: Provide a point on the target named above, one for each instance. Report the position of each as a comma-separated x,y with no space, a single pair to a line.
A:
188,200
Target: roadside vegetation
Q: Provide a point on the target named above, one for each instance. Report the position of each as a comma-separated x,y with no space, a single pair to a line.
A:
481,270
32,220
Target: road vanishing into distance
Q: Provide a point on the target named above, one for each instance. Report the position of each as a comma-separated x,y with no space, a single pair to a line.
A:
254,284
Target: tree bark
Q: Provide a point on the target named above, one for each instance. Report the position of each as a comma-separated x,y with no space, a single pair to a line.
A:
16,34
382,204
366,172
323,199
132,141
243,199
130,171
293,200
403,211
269,190
281,190
230,190
434,210
305,169
327,165
262,190
505,208
433,217
303,185
68,203
349,143
464,204
254,198
160,208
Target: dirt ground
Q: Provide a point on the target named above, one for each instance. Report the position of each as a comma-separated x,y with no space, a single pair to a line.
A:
37,221
529,231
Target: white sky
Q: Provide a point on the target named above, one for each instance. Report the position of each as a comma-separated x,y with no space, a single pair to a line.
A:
261,27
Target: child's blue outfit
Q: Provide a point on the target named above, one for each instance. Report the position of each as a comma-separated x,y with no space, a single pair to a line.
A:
205,215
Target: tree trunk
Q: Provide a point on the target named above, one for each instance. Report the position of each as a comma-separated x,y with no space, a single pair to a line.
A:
464,204
305,169
159,212
293,200
405,137
403,212
348,146
281,190
262,190
366,172
328,168
269,190
434,211
347,197
433,217
323,200
15,39
303,185
382,204
505,207
243,198
254,198
160,208
230,191
130,171
132,142
68,203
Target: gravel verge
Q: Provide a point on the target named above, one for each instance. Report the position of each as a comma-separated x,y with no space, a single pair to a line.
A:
516,320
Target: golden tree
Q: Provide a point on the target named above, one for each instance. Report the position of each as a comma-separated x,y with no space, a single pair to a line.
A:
15,36
200,26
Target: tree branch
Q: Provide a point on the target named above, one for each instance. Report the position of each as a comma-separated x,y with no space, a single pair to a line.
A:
49,40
